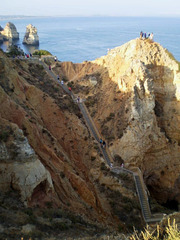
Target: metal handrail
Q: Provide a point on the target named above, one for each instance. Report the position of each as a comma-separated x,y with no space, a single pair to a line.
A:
136,171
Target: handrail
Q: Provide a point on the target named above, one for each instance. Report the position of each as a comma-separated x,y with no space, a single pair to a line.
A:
135,173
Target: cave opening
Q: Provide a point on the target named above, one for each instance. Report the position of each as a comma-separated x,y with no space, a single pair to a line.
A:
171,204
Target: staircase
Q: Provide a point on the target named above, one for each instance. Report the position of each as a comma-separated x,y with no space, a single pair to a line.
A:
146,212
138,178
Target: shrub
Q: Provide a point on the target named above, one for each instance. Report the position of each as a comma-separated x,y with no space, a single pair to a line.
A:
62,174
111,116
103,166
15,51
41,52
93,158
4,136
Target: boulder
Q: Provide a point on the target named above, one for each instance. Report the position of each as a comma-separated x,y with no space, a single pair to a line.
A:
31,37
10,32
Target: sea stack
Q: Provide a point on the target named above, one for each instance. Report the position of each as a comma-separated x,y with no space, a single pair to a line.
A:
10,32
31,37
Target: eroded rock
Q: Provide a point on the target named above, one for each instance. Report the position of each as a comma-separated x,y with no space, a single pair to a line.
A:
31,37
10,32
20,167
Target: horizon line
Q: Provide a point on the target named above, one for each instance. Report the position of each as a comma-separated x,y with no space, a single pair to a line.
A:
93,15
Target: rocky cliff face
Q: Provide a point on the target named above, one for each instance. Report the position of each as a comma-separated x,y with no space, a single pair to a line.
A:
133,94
21,169
48,155
10,32
31,37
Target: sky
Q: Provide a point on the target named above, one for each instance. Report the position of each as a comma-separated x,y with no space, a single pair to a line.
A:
91,8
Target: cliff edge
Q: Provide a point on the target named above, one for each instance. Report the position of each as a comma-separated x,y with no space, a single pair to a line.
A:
133,95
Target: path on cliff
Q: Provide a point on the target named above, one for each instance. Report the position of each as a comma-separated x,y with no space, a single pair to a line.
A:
137,175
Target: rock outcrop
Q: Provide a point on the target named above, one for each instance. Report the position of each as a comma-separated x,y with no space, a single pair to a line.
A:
10,32
48,155
31,37
136,106
21,169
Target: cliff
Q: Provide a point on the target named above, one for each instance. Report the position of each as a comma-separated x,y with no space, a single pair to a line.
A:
50,160
10,32
133,95
31,37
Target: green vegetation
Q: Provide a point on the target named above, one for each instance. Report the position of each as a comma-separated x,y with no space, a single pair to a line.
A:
5,133
15,51
41,52
4,136
173,58
170,232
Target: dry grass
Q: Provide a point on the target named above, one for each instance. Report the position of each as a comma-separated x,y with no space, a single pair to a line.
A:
169,232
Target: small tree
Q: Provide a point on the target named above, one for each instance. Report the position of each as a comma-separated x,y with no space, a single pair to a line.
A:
15,51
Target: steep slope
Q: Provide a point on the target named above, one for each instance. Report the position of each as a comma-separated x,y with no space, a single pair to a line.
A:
133,94
48,155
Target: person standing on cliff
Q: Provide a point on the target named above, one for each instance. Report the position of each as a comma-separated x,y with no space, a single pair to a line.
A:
141,35
151,36
50,67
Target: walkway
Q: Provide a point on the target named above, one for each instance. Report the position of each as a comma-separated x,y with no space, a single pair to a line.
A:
138,178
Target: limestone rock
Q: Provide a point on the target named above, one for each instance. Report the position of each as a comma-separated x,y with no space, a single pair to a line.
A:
136,107
54,140
31,37
19,166
10,32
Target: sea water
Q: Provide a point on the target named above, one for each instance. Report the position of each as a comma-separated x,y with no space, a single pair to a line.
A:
79,39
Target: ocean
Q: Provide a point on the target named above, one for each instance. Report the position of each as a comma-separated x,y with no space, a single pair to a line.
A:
78,39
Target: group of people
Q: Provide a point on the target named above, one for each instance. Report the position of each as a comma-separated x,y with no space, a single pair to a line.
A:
146,36
102,143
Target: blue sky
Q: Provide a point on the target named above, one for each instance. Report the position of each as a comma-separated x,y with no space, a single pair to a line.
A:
92,7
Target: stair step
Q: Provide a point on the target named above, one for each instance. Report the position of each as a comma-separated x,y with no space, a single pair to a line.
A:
141,193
